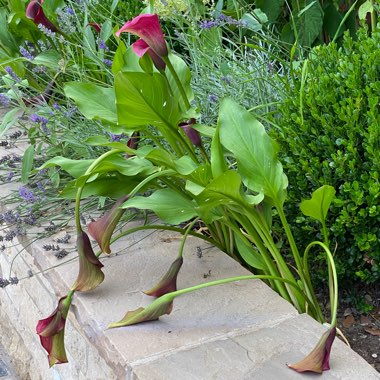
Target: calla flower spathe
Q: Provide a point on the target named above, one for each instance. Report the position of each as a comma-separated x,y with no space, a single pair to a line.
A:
95,25
35,12
102,229
147,27
319,359
51,331
90,273
152,312
140,47
190,132
168,283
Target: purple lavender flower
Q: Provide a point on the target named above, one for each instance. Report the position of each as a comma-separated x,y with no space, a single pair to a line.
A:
4,100
25,53
107,62
102,45
208,24
70,11
12,74
46,31
34,118
56,106
9,176
212,98
225,79
27,194
116,138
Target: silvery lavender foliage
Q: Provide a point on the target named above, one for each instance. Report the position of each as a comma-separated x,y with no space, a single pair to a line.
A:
67,20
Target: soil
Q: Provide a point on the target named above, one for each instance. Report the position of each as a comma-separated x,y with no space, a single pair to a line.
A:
361,324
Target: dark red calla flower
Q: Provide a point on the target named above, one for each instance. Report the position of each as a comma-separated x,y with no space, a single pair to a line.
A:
140,47
95,25
190,132
319,359
51,331
35,12
168,283
102,229
90,273
147,27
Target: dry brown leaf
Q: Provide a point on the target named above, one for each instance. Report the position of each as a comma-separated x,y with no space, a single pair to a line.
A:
370,330
349,321
365,321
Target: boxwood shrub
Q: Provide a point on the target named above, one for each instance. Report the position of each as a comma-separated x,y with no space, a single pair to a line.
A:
329,129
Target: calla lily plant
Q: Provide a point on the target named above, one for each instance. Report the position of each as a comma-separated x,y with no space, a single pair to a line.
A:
234,189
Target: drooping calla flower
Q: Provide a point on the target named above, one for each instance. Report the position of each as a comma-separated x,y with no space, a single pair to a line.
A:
51,331
102,229
35,12
168,283
147,27
90,273
190,132
152,312
140,47
95,25
319,359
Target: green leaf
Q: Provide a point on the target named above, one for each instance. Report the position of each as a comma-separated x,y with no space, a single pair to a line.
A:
251,22
143,99
48,58
112,187
366,7
254,150
106,31
224,191
8,120
75,168
184,75
27,163
95,102
318,206
249,254
309,22
271,8
169,205
218,162
114,5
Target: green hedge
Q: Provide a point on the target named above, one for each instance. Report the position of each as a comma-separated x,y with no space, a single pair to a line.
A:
329,129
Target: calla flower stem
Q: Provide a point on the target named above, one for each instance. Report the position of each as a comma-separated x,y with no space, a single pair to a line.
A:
170,296
333,280
185,235
177,81
165,228
80,189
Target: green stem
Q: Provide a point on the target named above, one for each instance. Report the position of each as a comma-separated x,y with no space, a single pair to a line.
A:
150,178
177,81
185,235
166,228
333,281
80,189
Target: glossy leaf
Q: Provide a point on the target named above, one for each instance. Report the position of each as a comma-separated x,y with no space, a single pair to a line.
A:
218,162
143,99
318,206
224,191
271,8
254,150
249,253
95,102
169,205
